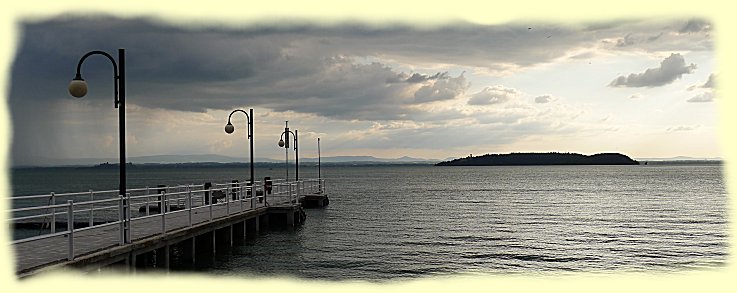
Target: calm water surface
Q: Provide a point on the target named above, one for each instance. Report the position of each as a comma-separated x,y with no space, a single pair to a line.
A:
388,222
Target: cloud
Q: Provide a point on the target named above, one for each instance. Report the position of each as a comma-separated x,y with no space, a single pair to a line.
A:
443,88
694,26
683,128
702,98
636,96
671,68
544,99
419,77
493,95
344,75
709,84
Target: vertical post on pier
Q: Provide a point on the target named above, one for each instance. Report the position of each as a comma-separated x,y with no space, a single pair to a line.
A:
163,212
214,240
128,218
132,259
53,213
227,203
189,203
194,249
92,208
70,228
166,257
292,191
209,199
230,230
120,219
148,192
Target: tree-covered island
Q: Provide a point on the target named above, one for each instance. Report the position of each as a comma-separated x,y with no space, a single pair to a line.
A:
530,159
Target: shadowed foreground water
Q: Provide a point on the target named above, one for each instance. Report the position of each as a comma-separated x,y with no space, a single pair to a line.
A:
417,221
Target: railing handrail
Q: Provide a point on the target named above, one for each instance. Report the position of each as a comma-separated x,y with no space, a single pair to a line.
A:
241,184
236,195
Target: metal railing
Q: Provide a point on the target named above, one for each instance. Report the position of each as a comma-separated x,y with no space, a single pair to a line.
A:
160,210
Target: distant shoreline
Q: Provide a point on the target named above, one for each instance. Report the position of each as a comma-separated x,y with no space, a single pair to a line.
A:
328,164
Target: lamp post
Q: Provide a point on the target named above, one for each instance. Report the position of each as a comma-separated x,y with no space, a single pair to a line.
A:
229,129
284,142
78,88
319,181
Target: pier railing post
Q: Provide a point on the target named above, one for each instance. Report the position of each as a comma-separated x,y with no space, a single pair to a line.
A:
70,228
148,192
128,218
163,212
291,194
209,199
189,202
53,213
227,203
92,208
120,219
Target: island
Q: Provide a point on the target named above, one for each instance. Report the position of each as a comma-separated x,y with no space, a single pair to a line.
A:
530,159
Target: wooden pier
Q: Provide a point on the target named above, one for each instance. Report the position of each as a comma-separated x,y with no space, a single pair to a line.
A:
197,227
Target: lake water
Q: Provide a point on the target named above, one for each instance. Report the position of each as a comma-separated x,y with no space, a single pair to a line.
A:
389,222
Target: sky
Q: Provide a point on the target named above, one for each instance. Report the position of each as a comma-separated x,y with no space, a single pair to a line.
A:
642,87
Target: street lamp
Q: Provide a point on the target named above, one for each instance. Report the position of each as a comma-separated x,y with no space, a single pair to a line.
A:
78,88
319,177
318,160
284,142
229,129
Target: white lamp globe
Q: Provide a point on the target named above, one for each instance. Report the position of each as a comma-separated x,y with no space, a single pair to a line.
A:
78,88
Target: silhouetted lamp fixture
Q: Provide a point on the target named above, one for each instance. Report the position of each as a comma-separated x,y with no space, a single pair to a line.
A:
229,128
284,142
78,88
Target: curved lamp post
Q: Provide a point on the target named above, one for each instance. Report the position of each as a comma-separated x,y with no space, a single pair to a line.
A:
78,88
318,160
319,177
284,142
229,129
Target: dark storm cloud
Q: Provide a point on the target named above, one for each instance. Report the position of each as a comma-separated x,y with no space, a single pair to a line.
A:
301,67
671,68
419,77
348,72
695,25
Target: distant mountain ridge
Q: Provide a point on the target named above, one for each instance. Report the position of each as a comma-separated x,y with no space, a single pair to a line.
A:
212,158
680,158
553,158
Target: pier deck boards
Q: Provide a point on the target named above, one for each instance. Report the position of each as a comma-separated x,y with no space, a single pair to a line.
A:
97,240
33,255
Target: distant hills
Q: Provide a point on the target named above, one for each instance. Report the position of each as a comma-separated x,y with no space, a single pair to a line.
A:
221,159
212,158
680,158
528,159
